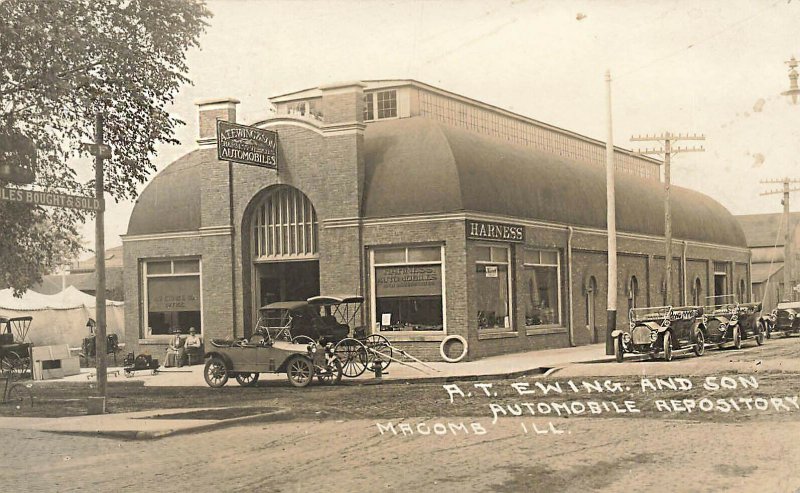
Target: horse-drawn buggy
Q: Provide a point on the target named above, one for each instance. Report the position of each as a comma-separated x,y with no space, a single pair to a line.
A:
729,321
303,339
661,329
15,353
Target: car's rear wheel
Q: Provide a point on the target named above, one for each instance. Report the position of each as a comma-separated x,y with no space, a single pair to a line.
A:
247,379
760,333
667,345
737,337
215,372
333,375
699,342
299,371
618,350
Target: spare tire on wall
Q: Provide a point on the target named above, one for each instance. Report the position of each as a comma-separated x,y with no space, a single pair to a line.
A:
453,348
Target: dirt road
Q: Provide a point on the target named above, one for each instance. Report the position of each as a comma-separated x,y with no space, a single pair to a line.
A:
591,455
689,434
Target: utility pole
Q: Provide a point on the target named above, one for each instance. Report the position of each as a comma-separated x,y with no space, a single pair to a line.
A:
611,221
100,260
667,150
787,242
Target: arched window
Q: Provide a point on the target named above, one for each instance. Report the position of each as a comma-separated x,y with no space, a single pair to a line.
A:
633,292
285,226
697,292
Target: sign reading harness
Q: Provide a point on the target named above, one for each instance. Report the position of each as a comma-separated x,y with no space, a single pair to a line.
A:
247,145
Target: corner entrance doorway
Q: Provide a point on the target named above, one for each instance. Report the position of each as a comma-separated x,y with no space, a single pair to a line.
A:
287,281
283,255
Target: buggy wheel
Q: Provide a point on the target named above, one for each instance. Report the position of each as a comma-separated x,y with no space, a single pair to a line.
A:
247,379
15,366
215,372
303,340
737,337
20,397
667,342
353,356
699,342
378,344
300,371
759,333
618,350
333,373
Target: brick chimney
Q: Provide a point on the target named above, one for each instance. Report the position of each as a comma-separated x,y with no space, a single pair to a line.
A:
211,110
343,103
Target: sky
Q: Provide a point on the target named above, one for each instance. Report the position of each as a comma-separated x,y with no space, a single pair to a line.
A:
714,67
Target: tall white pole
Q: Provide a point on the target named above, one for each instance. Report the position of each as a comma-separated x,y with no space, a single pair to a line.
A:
611,219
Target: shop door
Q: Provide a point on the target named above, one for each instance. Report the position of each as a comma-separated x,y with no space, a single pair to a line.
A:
719,288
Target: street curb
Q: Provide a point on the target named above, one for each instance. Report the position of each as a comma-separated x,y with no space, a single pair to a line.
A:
540,370
153,435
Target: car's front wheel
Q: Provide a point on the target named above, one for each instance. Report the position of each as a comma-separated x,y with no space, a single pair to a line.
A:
299,371
699,343
215,372
737,337
759,333
618,355
667,342
333,373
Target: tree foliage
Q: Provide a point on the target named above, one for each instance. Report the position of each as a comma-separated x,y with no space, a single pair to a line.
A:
61,61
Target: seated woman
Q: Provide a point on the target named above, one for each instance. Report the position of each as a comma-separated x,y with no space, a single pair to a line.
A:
175,350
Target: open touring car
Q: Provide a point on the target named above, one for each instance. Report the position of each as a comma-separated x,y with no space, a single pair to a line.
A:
664,329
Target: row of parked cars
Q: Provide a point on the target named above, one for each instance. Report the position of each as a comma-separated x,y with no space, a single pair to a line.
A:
665,330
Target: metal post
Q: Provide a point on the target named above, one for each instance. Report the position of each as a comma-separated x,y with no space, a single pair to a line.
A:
100,265
611,313
667,220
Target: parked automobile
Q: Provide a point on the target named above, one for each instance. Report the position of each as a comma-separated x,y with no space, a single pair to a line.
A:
661,329
728,321
272,349
786,318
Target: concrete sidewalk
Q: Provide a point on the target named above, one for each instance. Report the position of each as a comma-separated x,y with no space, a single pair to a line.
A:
506,365
157,424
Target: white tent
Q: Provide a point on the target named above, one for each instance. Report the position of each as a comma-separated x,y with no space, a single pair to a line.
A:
60,318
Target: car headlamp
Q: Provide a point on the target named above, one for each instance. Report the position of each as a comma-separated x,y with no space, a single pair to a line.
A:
626,338
723,327
791,315
653,336
312,348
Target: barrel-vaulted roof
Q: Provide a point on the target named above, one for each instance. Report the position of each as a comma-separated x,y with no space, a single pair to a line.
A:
419,166
171,201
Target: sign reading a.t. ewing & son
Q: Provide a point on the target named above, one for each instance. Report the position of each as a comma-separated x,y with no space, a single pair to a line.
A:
247,145
486,230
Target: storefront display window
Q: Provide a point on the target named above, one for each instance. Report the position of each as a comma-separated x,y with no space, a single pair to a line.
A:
172,296
542,287
493,287
408,286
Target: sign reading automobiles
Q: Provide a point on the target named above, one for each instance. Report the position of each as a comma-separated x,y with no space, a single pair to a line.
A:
247,145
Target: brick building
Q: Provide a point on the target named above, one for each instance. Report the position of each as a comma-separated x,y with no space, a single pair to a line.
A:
450,216
766,237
